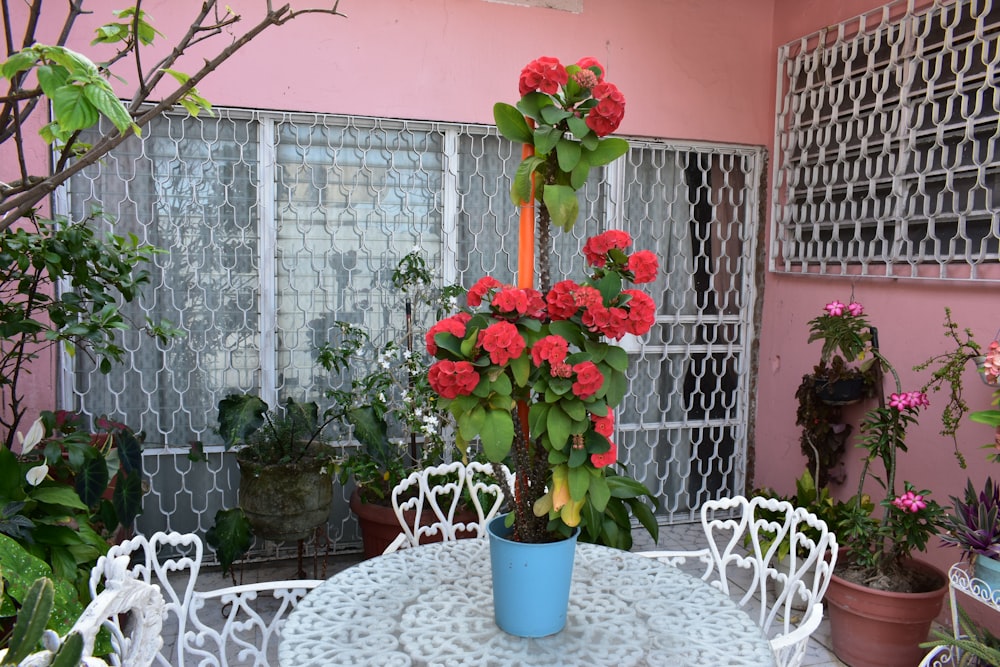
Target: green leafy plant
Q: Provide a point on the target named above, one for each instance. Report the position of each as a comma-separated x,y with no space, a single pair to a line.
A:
388,406
973,525
529,373
977,646
32,620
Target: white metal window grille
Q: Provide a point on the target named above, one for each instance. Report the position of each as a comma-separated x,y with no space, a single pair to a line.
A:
276,224
886,147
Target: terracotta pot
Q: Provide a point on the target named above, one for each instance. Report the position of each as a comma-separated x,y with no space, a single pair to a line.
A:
286,502
872,628
379,525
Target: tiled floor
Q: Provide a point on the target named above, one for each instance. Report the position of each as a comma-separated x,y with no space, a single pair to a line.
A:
674,538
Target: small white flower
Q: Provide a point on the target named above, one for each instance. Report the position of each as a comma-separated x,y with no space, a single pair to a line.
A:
37,474
407,354
418,413
34,436
381,397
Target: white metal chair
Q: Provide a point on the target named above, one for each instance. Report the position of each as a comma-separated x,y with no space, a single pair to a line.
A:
247,623
744,538
124,599
427,502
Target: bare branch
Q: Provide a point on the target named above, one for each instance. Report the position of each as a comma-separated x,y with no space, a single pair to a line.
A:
19,205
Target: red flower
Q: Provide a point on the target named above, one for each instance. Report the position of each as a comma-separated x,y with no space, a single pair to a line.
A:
605,118
641,312
588,62
604,425
451,379
502,341
545,74
455,325
479,290
644,266
588,297
597,247
605,459
588,379
561,302
610,322
552,349
517,301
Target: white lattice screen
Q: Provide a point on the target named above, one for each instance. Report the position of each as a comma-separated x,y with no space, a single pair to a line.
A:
887,142
277,224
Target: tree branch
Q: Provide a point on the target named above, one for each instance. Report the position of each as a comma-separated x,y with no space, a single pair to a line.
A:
15,207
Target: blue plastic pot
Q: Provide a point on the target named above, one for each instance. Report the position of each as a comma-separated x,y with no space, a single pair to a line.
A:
988,570
530,582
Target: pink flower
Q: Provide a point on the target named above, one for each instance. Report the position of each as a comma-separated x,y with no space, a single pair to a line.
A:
855,309
908,399
604,425
991,367
605,118
552,349
835,308
910,502
589,62
641,312
597,247
544,74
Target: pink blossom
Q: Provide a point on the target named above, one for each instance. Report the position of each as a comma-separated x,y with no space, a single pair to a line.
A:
835,308
910,502
855,309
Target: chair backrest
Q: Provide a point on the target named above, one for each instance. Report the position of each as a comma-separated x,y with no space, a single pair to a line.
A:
762,540
221,627
432,501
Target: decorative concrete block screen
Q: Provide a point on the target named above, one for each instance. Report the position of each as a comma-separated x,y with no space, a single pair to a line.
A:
275,225
888,145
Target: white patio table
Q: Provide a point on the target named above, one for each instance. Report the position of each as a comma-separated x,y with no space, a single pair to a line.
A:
433,605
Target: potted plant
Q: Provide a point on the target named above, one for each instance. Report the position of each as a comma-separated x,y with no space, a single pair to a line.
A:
286,473
530,373
385,405
844,374
881,600
973,525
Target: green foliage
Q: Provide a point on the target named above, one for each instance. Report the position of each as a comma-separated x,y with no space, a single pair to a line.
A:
19,569
978,646
270,436
230,536
98,271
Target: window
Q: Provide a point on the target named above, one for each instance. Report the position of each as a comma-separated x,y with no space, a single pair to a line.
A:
888,136
274,225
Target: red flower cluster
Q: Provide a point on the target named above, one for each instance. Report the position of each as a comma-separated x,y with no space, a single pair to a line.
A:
454,325
452,379
513,301
589,379
605,118
544,74
596,248
502,341
644,266
605,459
552,349
482,287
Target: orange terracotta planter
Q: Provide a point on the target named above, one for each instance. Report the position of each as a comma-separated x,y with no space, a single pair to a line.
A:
379,525
872,628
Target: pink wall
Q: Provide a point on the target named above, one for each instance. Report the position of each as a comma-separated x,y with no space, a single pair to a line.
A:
689,70
909,317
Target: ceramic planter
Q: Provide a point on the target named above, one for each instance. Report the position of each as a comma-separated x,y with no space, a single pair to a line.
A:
872,628
531,582
379,525
987,570
288,501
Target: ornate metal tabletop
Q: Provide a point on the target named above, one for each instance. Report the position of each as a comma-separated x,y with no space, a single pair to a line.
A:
433,605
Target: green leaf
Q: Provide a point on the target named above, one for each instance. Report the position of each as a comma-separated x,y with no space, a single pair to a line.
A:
31,620
553,115
520,191
511,124
521,369
614,387
19,62
616,357
51,77
546,138
102,97
239,416
127,497
607,150
72,110
58,495
497,434
472,423
578,126
562,204
230,537
531,105
646,517
578,177
537,416
600,492
579,482
568,152
558,426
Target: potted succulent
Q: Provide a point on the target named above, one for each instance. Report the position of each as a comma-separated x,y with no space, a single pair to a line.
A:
286,473
974,527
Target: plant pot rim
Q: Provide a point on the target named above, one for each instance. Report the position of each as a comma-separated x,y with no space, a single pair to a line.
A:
494,534
913,562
